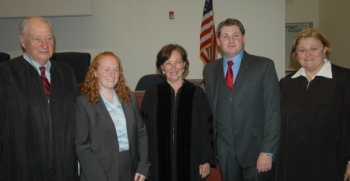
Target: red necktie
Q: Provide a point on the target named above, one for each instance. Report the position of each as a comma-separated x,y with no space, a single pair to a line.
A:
229,75
45,82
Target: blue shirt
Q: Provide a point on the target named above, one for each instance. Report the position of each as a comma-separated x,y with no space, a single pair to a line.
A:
116,112
37,66
236,64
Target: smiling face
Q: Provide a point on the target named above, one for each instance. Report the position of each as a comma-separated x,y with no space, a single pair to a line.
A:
107,73
38,42
231,40
174,67
310,53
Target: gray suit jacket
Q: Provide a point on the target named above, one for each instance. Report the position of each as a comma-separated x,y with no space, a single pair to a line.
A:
255,107
97,144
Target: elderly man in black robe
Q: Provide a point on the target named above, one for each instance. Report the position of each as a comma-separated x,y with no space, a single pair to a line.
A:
37,110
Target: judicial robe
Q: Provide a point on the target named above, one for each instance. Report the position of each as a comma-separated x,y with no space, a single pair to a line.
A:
36,137
315,127
180,131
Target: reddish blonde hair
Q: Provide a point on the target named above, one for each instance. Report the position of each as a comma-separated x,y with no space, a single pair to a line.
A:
91,86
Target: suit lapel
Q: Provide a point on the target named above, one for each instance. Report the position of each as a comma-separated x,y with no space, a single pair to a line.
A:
243,70
104,114
128,112
216,72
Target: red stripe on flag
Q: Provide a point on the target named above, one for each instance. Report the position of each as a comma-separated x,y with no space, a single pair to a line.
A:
207,35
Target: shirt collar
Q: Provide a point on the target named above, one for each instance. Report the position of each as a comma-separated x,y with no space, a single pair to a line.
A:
236,59
115,100
36,65
326,71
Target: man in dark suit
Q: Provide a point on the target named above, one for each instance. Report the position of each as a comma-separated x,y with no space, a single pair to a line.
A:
245,105
37,116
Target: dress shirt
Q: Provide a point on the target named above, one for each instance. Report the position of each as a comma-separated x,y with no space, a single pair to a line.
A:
325,71
37,66
116,112
236,64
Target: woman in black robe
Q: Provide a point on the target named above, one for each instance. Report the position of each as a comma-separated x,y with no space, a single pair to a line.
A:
315,114
178,121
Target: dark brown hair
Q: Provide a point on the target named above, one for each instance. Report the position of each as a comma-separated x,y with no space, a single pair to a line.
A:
165,53
229,22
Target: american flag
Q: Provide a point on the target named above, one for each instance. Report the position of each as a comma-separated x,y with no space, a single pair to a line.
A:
207,37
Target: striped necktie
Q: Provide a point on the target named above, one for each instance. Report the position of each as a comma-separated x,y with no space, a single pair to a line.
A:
45,82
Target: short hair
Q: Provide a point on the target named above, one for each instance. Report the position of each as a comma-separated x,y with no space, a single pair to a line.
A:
307,33
230,22
165,53
91,86
23,25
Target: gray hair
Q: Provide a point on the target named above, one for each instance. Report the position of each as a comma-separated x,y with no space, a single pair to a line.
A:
23,25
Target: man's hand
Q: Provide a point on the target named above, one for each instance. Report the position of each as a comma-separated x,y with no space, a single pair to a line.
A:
264,163
139,177
204,170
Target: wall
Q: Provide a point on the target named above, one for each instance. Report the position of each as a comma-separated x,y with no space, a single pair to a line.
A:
335,24
299,11
11,9
136,30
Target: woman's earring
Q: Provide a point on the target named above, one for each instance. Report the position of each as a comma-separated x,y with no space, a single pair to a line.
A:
163,71
183,70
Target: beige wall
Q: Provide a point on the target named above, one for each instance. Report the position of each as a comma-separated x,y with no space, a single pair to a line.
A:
299,11
136,30
335,24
